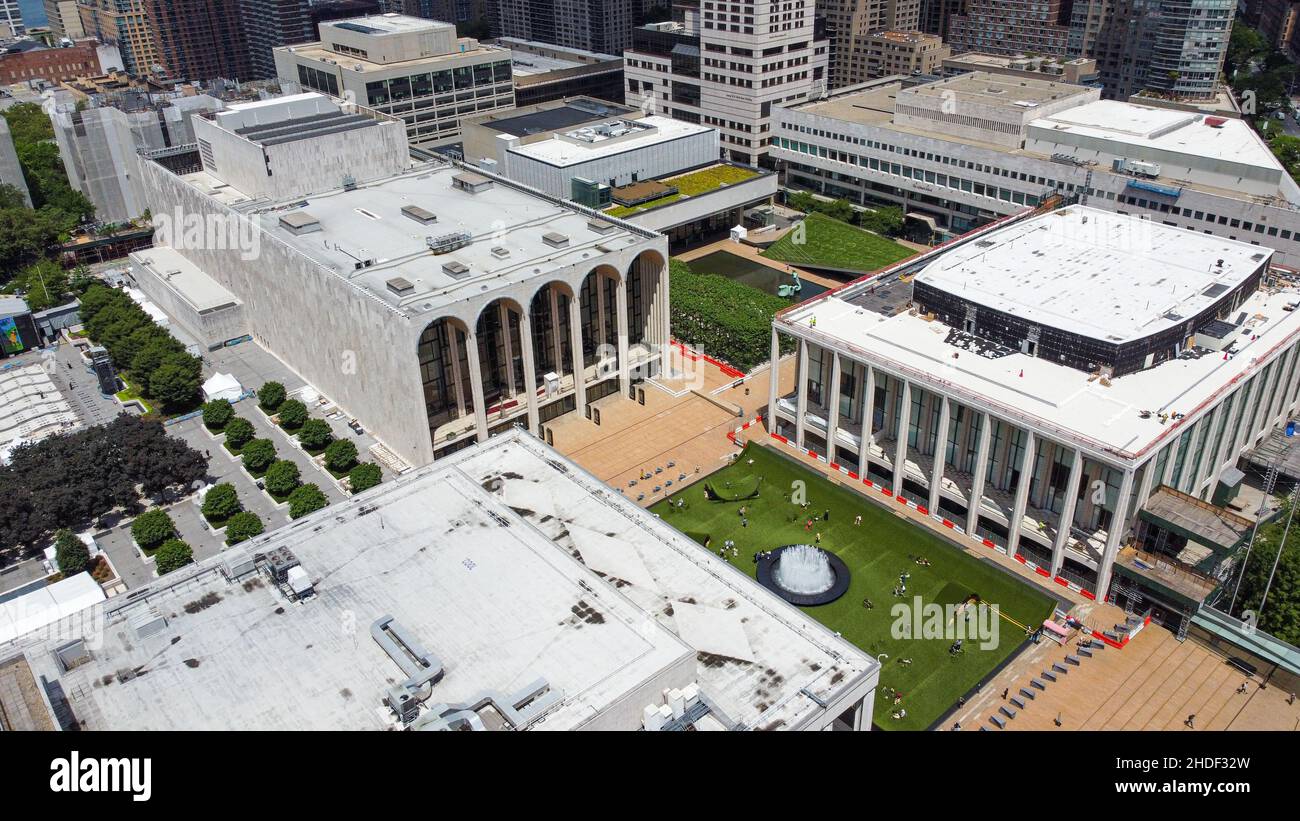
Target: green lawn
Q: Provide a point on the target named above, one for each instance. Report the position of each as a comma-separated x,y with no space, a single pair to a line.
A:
876,553
690,185
829,243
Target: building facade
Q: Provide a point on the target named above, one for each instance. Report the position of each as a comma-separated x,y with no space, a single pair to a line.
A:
544,73
1011,27
199,40
65,20
1010,142
269,24
11,19
729,71
603,26
1048,459
888,53
852,24
32,61
123,24
416,70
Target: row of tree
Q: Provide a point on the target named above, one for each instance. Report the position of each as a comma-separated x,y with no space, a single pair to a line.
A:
153,359
888,221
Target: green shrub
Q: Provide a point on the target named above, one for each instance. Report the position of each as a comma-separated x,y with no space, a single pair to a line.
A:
306,499
258,455
270,396
293,414
364,476
220,503
726,319
172,555
152,528
315,434
239,432
340,456
242,527
217,414
70,553
282,477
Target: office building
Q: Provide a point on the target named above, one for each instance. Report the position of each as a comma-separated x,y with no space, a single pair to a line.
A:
889,53
851,24
65,20
199,39
269,24
124,25
1038,382
1009,142
603,26
1079,71
413,69
729,71
543,73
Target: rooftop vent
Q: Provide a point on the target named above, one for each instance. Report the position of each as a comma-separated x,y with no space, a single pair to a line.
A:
419,214
500,252
400,286
600,226
148,623
299,222
455,269
555,239
447,243
471,183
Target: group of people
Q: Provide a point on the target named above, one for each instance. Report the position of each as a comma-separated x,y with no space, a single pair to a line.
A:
900,589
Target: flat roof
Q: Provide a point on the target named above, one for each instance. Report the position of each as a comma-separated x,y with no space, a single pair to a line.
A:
1162,129
999,89
509,564
1104,275
562,153
1105,419
389,23
200,291
571,114
367,224
1210,525
33,405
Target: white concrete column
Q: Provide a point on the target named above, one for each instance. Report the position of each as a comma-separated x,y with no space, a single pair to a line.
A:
1118,524
1067,512
557,336
977,475
620,306
801,403
774,380
1022,492
453,336
579,365
1144,486
530,370
601,322
1209,454
940,450
868,414
833,406
900,447
476,386
504,313
1239,435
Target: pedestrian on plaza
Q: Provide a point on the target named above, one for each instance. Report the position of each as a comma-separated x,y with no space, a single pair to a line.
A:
1191,721
1004,693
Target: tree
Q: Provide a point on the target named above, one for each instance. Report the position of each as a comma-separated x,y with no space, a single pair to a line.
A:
70,553
152,528
242,527
176,381
306,499
314,434
221,502
43,285
239,432
340,456
886,221
270,396
293,414
172,555
1280,616
282,477
258,455
364,476
217,414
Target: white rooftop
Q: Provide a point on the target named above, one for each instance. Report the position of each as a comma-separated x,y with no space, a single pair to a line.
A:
1067,404
367,223
600,140
200,291
45,605
509,564
1097,273
33,407
1159,129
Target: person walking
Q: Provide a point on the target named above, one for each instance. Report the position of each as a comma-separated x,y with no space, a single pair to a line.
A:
1191,721
1004,693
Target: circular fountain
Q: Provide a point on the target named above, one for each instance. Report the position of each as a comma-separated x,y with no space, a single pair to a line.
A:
804,574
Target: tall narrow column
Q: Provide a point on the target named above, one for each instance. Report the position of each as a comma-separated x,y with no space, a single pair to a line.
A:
453,337
868,420
900,447
530,370
579,363
1115,531
1067,512
620,306
601,321
774,378
801,404
476,385
1022,493
940,453
832,406
557,336
504,313
979,474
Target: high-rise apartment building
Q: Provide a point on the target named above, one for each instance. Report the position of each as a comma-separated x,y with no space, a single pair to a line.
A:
11,19
65,20
936,14
1011,27
728,65
199,39
1172,47
593,25
124,25
851,22
269,24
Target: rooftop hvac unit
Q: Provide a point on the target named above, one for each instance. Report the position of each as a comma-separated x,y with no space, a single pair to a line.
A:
239,566
279,561
447,243
148,623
